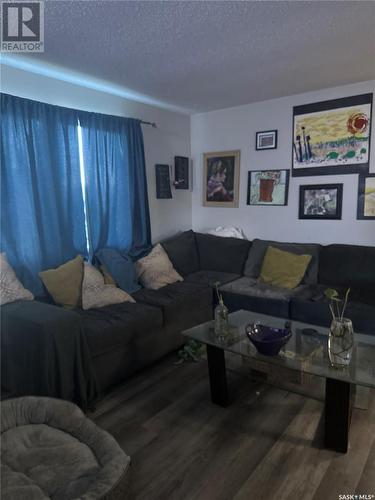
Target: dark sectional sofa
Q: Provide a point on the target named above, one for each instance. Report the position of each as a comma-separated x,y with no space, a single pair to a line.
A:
115,341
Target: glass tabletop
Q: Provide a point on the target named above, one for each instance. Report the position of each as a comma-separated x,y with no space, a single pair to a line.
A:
306,351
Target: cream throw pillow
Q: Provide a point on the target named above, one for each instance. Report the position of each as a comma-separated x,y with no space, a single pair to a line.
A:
95,293
156,270
11,289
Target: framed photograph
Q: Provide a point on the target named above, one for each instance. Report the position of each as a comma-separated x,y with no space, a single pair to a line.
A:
181,172
366,197
320,201
163,182
332,137
266,140
268,187
221,177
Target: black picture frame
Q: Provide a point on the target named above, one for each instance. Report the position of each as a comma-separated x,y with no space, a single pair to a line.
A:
265,134
320,202
181,172
333,161
163,182
257,196
361,201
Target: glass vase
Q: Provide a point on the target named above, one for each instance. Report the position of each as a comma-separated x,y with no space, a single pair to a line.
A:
221,321
340,342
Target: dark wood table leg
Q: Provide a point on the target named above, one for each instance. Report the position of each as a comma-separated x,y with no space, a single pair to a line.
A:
338,413
218,376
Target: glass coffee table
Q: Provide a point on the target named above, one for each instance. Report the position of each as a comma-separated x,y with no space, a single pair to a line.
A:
306,352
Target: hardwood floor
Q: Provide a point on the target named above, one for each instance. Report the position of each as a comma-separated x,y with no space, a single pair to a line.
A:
266,445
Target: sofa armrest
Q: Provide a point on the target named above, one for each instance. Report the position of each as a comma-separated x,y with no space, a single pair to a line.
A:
44,352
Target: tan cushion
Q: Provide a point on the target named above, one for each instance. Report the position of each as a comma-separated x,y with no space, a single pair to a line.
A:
65,282
11,289
95,293
156,270
283,269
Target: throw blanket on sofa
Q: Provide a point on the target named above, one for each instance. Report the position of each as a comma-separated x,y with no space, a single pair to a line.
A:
44,352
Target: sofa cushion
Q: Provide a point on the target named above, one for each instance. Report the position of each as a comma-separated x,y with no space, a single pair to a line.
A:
222,254
348,266
178,300
258,249
114,326
183,252
251,287
44,351
312,307
247,293
211,277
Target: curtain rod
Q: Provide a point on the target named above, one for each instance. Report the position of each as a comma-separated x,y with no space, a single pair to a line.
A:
153,124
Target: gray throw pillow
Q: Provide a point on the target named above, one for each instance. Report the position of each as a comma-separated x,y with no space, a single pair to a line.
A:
258,250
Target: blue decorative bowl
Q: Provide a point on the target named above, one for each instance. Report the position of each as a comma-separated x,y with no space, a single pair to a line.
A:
268,340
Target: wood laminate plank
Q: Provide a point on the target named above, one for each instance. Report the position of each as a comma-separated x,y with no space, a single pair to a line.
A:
268,444
296,463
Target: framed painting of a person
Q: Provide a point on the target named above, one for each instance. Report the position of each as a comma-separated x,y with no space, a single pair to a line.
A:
221,174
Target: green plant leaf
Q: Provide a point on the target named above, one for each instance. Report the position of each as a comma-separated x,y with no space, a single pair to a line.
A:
331,294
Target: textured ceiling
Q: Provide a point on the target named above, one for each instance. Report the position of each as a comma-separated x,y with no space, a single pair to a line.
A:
206,55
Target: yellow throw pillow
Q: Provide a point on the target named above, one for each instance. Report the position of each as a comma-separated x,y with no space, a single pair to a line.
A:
65,282
283,269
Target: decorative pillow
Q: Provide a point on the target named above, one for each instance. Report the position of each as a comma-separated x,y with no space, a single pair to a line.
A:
11,289
156,270
283,269
95,293
120,267
65,282
258,250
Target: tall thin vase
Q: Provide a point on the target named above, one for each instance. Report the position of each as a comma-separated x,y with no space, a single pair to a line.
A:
221,321
340,342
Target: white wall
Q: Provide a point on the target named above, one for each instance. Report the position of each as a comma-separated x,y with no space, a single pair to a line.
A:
171,138
235,128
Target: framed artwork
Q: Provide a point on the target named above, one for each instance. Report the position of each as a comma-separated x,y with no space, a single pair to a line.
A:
266,140
181,172
366,197
268,187
163,182
221,177
332,137
320,201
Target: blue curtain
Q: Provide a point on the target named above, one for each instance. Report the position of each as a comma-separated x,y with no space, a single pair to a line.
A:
116,186
42,210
